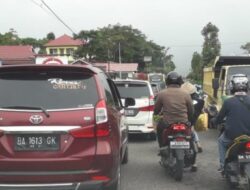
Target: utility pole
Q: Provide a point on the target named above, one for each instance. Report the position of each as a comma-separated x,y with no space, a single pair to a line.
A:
120,61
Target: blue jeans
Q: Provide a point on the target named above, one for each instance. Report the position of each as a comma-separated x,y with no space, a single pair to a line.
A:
195,136
223,143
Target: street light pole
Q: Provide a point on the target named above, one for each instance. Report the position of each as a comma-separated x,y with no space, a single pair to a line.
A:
120,61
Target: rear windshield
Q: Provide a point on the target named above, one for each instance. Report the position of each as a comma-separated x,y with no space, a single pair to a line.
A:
49,90
238,70
133,90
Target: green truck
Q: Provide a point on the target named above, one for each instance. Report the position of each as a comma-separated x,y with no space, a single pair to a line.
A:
216,79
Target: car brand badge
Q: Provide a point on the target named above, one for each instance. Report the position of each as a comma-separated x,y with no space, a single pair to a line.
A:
36,119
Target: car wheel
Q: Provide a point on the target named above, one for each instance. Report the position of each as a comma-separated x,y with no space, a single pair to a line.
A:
116,185
125,157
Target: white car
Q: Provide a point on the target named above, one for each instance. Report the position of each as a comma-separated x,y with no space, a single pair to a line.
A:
140,116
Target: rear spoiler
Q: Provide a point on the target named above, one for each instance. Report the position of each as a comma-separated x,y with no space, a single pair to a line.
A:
68,68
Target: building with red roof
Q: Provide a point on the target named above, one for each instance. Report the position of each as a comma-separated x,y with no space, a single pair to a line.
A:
17,54
64,45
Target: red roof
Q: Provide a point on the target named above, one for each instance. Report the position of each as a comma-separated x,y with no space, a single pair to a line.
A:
117,67
64,40
16,54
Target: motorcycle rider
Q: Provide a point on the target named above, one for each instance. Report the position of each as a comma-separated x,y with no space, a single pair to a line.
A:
174,103
198,107
236,111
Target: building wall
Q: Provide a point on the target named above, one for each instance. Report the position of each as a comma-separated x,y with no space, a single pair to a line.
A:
63,50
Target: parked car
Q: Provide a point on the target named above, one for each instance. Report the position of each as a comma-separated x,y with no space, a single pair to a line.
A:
140,116
61,127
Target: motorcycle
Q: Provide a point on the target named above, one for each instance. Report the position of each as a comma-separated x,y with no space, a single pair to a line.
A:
178,150
237,163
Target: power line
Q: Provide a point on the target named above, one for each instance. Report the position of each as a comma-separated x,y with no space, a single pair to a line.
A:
41,6
58,18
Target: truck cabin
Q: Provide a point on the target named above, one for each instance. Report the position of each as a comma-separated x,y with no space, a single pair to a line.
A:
224,68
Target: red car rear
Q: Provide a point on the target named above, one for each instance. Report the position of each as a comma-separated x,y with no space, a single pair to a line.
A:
61,127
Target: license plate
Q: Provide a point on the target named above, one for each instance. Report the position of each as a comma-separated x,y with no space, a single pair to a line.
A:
244,158
129,112
179,145
28,142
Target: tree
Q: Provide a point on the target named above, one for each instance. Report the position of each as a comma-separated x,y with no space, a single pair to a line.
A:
51,36
211,45
246,47
196,66
9,38
103,45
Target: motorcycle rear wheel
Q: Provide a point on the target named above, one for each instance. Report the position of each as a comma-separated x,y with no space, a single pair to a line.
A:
178,173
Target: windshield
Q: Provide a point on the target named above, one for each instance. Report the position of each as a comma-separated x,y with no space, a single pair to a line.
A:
49,90
156,77
238,70
133,90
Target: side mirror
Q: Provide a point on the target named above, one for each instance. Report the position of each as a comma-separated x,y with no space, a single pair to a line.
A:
129,102
215,83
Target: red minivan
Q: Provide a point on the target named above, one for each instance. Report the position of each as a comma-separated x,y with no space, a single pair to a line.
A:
61,127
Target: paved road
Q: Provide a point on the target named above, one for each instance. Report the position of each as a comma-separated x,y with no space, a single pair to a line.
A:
143,171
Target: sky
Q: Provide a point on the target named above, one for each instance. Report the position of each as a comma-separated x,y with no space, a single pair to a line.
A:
176,24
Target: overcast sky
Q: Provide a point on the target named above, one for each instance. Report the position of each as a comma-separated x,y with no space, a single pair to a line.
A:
171,23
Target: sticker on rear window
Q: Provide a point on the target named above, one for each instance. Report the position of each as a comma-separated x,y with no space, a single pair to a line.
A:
64,84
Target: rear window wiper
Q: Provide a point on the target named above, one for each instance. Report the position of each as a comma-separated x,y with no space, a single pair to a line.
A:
29,108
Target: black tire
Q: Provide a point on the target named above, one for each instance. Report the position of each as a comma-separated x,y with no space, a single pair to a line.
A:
247,186
125,157
178,173
116,185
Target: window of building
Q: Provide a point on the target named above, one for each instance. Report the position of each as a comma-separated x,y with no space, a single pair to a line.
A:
52,51
70,51
61,51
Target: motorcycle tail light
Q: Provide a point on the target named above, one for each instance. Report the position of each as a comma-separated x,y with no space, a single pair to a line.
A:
247,146
179,127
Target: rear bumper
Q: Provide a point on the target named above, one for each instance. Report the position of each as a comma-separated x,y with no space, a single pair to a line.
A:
141,129
96,185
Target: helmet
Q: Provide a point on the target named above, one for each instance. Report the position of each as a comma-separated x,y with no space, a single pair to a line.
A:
173,78
238,83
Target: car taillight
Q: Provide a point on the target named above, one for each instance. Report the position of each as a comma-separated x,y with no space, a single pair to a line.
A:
151,105
179,127
102,128
151,100
101,116
247,146
147,108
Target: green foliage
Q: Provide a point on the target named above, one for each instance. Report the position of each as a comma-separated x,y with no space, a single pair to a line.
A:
246,47
196,66
103,45
211,45
9,38
156,118
12,38
51,36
